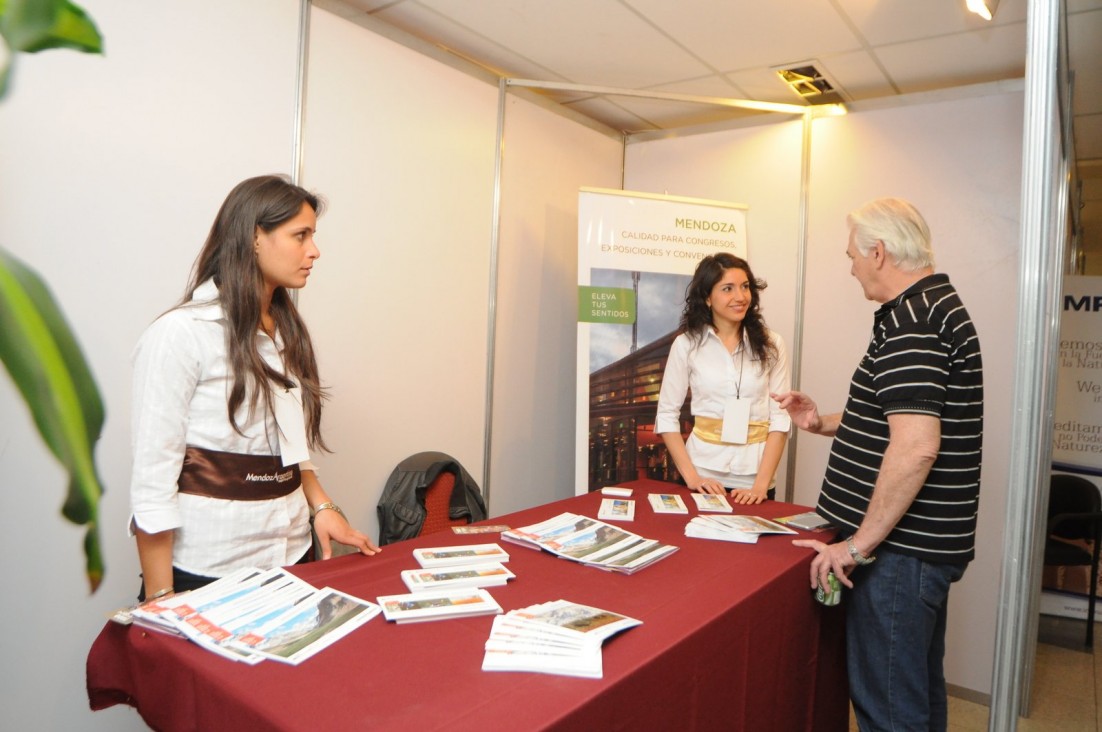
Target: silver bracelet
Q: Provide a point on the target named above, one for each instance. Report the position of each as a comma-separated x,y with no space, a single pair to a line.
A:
328,504
160,593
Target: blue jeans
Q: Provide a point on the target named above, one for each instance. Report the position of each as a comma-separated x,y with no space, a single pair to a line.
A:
895,642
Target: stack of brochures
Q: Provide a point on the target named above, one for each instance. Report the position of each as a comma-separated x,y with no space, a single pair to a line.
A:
667,503
449,584
616,509
742,529
591,542
557,637
486,574
712,503
251,615
420,607
451,556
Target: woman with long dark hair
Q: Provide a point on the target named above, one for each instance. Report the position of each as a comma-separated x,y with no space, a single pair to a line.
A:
729,359
227,403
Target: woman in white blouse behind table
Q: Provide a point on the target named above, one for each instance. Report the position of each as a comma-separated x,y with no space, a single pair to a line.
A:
732,363
227,402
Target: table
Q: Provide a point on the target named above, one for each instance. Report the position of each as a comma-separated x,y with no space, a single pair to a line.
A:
731,639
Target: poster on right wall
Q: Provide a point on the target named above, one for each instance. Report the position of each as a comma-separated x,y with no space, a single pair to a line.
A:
1077,431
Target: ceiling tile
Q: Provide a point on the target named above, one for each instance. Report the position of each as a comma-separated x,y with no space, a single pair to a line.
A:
736,35
442,31
996,54
858,75
584,41
892,21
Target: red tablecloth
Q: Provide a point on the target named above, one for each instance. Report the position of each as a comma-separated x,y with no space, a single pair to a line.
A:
731,639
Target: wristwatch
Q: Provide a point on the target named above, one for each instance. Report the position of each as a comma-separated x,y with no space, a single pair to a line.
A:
858,557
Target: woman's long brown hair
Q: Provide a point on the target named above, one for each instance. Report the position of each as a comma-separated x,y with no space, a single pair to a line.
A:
228,257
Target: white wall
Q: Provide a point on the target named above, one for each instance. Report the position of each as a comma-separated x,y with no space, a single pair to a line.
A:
403,149
959,162
111,170
547,158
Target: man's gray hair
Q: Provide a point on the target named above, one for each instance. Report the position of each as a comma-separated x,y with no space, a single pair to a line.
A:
897,224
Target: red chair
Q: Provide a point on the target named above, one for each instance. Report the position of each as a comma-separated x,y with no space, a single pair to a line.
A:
438,498
427,492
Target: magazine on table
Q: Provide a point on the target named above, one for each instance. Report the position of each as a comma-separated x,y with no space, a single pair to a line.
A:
305,628
705,527
538,535
712,502
451,556
591,542
559,637
616,509
667,503
251,615
752,524
573,620
417,607
637,556
489,574
217,623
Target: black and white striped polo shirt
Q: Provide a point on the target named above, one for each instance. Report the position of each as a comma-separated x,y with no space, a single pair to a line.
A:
924,358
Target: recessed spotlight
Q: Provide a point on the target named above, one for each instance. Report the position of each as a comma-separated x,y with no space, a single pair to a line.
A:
809,82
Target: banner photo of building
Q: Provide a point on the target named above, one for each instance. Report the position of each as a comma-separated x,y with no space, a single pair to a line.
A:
1077,430
636,255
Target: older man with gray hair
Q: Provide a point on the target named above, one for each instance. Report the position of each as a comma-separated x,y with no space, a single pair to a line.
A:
902,482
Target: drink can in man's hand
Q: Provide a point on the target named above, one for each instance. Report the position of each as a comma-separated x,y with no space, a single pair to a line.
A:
832,595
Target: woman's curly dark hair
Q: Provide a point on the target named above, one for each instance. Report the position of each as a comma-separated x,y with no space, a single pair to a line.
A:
698,314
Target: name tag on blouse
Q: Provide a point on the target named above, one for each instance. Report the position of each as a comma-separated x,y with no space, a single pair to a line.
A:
292,426
736,421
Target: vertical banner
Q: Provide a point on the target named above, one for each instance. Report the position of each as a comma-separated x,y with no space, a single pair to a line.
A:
1077,431
636,255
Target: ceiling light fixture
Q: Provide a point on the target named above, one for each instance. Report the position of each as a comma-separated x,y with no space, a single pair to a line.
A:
807,81
983,8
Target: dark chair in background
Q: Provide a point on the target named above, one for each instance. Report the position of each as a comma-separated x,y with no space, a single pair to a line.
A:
1074,532
427,492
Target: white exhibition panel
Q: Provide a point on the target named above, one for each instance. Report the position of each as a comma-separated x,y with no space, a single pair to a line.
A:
959,162
402,147
547,159
758,167
111,171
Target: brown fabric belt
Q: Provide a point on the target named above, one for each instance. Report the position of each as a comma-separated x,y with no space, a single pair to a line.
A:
234,477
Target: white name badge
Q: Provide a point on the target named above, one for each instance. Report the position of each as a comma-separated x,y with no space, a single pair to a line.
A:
291,424
736,421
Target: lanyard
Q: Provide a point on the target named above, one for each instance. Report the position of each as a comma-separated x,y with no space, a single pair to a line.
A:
741,358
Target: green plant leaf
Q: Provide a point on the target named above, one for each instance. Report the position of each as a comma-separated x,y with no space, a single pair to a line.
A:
31,26
45,362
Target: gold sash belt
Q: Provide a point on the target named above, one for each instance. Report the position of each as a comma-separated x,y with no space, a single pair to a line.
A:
234,477
710,429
